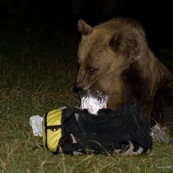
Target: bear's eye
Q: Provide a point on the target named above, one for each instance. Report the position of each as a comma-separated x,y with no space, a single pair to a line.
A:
90,69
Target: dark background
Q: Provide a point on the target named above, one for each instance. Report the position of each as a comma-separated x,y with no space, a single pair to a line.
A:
155,16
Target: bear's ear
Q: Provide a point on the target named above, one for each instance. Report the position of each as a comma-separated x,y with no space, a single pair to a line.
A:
84,28
116,40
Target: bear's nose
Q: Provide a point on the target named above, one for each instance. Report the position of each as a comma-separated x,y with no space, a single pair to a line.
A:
78,86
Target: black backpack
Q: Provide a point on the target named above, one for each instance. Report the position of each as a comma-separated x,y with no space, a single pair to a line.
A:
74,131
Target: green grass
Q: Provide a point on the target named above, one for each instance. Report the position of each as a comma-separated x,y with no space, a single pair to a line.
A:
37,73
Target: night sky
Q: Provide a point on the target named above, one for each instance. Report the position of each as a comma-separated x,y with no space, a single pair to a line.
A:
156,17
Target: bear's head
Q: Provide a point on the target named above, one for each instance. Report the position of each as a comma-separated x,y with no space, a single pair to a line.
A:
108,48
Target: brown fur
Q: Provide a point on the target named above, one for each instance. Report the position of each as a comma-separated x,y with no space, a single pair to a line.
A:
114,57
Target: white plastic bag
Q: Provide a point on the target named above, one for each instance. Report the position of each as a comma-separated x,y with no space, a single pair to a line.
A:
36,124
93,100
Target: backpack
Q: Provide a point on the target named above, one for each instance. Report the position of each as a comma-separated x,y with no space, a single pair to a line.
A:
73,131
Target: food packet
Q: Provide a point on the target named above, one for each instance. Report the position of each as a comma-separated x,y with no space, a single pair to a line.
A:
93,100
158,133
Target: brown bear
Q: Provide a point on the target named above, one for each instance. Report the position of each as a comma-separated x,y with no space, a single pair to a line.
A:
114,57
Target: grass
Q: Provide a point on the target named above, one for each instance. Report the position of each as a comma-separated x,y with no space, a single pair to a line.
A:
37,72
